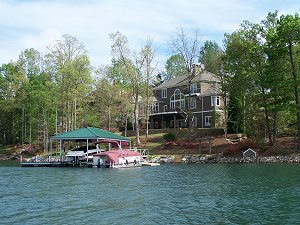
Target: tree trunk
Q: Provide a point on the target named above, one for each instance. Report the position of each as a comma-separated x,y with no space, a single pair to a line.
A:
75,118
126,124
136,118
296,92
274,129
225,116
268,126
109,118
56,121
62,118
23,119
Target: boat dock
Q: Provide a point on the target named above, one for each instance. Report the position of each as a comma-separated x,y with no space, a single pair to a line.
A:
42,164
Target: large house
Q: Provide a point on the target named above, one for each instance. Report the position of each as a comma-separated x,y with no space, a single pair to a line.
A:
197,96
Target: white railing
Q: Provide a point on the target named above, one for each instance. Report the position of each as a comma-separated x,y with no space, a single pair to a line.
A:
143,152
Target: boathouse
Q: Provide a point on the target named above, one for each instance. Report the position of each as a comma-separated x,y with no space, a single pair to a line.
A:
86,134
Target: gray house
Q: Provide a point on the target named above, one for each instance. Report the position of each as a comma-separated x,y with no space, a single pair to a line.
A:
180,96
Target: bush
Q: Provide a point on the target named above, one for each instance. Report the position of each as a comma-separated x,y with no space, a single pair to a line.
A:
169,137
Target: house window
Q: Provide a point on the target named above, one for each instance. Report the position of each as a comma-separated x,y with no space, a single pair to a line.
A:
193,103
180,123
164,93
172,123
207,120
165,108
215,100
194,121
177,100
155,124
193,88
156,107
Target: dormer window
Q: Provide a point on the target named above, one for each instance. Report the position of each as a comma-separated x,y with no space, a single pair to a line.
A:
164,93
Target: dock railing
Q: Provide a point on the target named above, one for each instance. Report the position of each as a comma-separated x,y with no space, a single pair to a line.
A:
143,152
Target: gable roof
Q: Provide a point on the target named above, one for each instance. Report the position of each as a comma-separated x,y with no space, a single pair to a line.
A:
88,133
205,76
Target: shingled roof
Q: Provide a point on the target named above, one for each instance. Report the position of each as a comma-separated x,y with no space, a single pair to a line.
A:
183,80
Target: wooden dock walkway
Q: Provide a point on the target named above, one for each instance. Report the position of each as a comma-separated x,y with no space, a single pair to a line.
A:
43,164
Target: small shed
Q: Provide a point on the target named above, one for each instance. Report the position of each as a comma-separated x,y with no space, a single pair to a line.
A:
249,153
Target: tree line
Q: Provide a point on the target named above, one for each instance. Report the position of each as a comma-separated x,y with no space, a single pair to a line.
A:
258,69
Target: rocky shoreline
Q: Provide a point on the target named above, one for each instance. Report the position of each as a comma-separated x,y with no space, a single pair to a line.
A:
220,159
189,158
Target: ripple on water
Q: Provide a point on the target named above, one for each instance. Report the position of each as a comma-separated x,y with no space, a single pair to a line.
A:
169,194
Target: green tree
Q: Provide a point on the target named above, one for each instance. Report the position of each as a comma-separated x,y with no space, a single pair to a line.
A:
12,96
256,61
211,57
69,65
175,66
288,36
31,62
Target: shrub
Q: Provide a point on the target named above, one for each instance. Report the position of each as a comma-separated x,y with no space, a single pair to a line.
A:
169,137
232,150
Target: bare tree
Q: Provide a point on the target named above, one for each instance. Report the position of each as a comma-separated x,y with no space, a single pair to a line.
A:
149,54
188,47
133,70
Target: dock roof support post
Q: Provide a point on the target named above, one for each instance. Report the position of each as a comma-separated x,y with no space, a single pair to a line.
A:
60,155
87,151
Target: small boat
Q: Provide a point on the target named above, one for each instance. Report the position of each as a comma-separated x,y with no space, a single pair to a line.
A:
117,158
80,155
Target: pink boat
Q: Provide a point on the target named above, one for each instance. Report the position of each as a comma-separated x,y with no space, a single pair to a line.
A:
117,158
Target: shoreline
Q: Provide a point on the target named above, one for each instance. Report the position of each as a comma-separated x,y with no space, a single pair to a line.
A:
210,159
204,159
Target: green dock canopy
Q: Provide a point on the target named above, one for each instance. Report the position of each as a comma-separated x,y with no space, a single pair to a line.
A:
89,133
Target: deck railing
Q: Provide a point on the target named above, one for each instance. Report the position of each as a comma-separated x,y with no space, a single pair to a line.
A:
143,152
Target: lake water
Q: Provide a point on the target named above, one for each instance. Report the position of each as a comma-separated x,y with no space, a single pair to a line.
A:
168,194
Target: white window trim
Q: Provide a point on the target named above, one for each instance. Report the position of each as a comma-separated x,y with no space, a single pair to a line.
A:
206,120
181,101
165,108
193,102
215,100
156,107
193,90
164,93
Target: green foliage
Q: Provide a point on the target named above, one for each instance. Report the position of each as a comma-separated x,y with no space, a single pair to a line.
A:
170,137
211,57
175,66
260,83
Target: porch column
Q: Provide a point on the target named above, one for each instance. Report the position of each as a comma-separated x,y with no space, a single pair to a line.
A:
162,122
151,123
174,121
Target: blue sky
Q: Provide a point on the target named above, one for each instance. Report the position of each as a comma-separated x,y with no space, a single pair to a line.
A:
35,24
